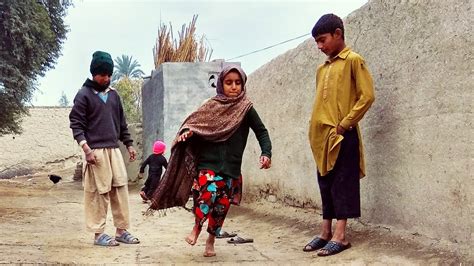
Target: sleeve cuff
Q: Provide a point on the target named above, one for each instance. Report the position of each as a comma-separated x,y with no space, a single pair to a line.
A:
82,142
345,124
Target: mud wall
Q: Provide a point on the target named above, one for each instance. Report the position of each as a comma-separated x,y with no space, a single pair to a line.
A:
46,140
418,134
47,143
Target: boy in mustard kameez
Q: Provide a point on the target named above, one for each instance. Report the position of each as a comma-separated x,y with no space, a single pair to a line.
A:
344,93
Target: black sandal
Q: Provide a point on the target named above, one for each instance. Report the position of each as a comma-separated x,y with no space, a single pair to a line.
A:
332,248
239,240
315,244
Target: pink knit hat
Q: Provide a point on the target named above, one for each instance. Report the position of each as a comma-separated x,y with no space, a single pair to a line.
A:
159,147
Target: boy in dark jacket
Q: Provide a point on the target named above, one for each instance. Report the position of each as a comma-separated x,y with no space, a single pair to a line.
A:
98,123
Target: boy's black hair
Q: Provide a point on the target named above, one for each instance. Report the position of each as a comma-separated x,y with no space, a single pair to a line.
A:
328,24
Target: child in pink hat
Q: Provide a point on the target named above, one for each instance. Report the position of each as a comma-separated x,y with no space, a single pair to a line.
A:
155,163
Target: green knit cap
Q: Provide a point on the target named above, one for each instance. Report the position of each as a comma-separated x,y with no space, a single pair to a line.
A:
101,63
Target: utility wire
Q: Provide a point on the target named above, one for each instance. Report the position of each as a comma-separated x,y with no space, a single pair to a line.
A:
271,46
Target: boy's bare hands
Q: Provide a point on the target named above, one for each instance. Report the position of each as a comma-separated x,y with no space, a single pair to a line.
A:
132,152
265,162
340,130
186,135
90,157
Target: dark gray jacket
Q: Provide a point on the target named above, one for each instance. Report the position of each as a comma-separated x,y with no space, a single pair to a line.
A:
101,124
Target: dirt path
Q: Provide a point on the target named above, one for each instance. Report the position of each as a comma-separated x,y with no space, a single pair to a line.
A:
43,223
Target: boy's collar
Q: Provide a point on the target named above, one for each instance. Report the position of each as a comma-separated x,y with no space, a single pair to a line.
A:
342,54
104,92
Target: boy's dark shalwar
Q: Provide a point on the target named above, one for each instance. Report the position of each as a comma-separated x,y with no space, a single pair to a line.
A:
344,92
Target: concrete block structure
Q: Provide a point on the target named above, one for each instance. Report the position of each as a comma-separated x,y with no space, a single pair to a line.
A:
171,94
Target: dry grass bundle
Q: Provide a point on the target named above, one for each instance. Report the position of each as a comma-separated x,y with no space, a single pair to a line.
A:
186,49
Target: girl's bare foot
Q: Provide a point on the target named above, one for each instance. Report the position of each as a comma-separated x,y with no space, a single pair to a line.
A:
209,254
193,236
209,251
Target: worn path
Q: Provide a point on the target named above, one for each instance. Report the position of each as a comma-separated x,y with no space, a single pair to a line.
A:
43,223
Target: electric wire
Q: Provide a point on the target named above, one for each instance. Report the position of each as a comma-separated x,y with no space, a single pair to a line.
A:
268,47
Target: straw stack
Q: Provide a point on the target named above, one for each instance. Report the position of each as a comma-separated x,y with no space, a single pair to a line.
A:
186,49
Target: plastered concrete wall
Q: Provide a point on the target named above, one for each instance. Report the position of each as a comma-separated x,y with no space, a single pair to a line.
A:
174,91
133,167
47,142
152,110
417,135
282,92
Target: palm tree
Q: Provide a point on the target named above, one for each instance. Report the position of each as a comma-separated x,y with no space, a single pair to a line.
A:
63,101
125,67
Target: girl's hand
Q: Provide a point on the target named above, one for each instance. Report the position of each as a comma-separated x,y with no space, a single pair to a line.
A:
186,135
265,162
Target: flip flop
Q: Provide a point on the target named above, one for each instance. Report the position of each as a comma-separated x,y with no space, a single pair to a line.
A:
332,248
225,234
239,240
315,244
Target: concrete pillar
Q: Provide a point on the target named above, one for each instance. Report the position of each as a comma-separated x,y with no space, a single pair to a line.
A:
173,92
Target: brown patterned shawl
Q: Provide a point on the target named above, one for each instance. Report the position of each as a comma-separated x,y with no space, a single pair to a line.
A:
216,120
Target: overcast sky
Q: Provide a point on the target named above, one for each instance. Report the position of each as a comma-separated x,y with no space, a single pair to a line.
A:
232,28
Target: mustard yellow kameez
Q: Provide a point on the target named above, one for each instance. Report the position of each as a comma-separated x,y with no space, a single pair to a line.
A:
344,93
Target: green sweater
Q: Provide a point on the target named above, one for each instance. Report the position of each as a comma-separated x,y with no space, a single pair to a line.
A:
225,158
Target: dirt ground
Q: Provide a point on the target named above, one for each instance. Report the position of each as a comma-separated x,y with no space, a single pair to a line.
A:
42,222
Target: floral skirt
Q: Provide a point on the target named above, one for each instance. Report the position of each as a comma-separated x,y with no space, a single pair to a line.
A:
212,195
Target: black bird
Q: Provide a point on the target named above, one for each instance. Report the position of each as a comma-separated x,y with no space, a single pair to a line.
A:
54,178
